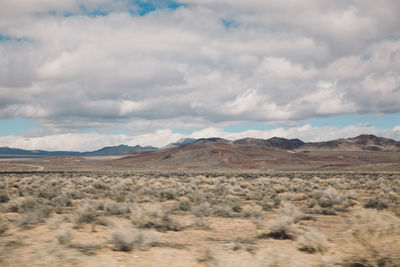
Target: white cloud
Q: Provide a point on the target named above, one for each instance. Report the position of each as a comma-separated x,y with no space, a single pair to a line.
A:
162,137
283,62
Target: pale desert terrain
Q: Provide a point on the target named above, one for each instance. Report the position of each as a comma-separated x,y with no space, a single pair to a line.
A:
201,218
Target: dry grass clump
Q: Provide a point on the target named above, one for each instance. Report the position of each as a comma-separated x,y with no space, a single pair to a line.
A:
207,257
250,211
4,198
30,220
54,223
330,201
60,202
89,212
313,241
381,201
152,216
183,205
330,197
3,227
255,213
63,236
114,208
264,258
33,210
125,239
128,238
284,227
224,210
291,211
21,204
372,239
191,202
201,210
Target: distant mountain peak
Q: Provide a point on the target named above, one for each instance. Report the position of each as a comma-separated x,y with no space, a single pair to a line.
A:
362,142
185,140
278,142
212,139
105,151
180,142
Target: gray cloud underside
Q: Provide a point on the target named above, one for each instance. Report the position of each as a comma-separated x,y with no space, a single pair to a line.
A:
159,138
279,62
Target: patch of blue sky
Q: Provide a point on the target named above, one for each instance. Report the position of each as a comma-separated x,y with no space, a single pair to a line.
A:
16,126
134,7
95,13
380,121
229,23
145,7
366,57
83,10
5,38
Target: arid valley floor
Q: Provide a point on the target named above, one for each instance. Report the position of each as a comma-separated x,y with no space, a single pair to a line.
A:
67,211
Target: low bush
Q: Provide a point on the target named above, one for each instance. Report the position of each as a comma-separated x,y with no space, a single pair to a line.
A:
4,197
114,208
3,227
372,239
283,228
377,203
290,211
313,241
63,236
330,197
126,239
152,216
87,213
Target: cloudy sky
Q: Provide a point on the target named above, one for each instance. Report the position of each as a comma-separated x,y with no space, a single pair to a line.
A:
82,74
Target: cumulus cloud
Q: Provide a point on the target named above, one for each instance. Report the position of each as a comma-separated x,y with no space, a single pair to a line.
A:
96,64
162,137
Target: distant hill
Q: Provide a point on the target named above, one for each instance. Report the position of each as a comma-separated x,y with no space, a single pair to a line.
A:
287,144
253,153
207,153
213,140
249,148
362,142
6,152
116,150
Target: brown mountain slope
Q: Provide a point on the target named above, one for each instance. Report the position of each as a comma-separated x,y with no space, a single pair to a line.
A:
359,143
224,155
209,154
283,143
274,153
353,154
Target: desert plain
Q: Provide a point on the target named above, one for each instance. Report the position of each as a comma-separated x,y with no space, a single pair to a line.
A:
290,208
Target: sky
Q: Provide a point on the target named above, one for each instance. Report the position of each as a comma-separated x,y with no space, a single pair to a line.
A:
83,74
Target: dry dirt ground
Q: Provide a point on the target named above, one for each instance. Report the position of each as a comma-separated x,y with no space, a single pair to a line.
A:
144,218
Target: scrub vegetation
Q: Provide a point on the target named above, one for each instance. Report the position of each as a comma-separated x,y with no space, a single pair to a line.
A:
200,219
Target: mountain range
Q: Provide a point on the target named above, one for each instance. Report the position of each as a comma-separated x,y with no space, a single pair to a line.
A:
271,154
7,152
196,146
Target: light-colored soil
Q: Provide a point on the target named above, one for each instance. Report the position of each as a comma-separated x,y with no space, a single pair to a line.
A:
182,219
